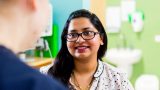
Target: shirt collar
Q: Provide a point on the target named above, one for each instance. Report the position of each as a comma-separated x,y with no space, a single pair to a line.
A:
100,69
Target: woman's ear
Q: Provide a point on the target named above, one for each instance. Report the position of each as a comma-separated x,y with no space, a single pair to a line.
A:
102,43
101,40
101,36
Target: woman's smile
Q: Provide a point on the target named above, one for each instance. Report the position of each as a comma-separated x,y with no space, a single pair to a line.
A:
81,49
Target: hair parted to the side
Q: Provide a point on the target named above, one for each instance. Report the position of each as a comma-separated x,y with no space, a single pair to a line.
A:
63,64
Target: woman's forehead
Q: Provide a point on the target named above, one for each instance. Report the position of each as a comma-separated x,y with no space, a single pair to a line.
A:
80,24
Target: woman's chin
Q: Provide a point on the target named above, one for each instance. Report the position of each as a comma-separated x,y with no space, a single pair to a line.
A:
81,55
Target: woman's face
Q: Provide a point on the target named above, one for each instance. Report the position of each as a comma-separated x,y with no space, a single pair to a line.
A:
81,48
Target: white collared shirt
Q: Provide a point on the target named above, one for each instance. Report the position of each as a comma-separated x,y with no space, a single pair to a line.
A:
108,77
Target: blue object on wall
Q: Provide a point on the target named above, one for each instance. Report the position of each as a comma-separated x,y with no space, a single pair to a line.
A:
61,11
86,4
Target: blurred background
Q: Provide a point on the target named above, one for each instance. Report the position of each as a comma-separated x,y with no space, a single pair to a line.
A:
133,29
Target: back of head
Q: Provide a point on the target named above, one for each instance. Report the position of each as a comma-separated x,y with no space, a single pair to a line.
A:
22,22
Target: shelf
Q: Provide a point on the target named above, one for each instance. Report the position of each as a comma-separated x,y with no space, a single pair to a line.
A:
38,62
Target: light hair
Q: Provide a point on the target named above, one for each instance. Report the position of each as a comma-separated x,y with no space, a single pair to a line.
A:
6,7
7,2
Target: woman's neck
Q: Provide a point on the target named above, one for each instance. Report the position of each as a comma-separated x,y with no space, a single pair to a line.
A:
85,66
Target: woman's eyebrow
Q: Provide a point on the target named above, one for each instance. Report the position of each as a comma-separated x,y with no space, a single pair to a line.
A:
87,28
83,29
72,31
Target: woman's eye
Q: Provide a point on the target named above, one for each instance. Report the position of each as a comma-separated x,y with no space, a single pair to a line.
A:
72,35
87,33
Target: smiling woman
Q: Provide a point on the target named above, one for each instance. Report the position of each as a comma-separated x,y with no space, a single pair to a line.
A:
79,64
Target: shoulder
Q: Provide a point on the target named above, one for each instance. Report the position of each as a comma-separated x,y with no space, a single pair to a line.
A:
113,70
117,77
105,69
110,70
42,82
16,75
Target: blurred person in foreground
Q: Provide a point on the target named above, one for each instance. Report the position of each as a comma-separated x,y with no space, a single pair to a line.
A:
21,24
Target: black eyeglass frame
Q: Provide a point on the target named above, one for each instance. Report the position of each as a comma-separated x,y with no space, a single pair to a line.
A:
80,34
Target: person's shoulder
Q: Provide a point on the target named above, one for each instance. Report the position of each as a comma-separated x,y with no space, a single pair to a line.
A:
16,75
114,71
118,76
43,82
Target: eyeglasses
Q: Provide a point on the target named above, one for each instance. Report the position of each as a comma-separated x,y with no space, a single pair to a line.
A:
87,35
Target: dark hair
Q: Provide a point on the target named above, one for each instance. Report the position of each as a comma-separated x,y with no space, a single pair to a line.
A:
64,64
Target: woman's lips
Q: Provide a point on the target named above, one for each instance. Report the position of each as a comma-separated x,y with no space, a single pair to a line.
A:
81,49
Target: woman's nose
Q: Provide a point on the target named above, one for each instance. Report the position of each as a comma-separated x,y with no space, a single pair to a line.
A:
80,39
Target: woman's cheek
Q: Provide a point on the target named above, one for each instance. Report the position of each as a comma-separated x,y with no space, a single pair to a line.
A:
70,47
95,42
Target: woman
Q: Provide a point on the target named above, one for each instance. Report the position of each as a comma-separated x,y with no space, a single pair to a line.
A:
79,64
